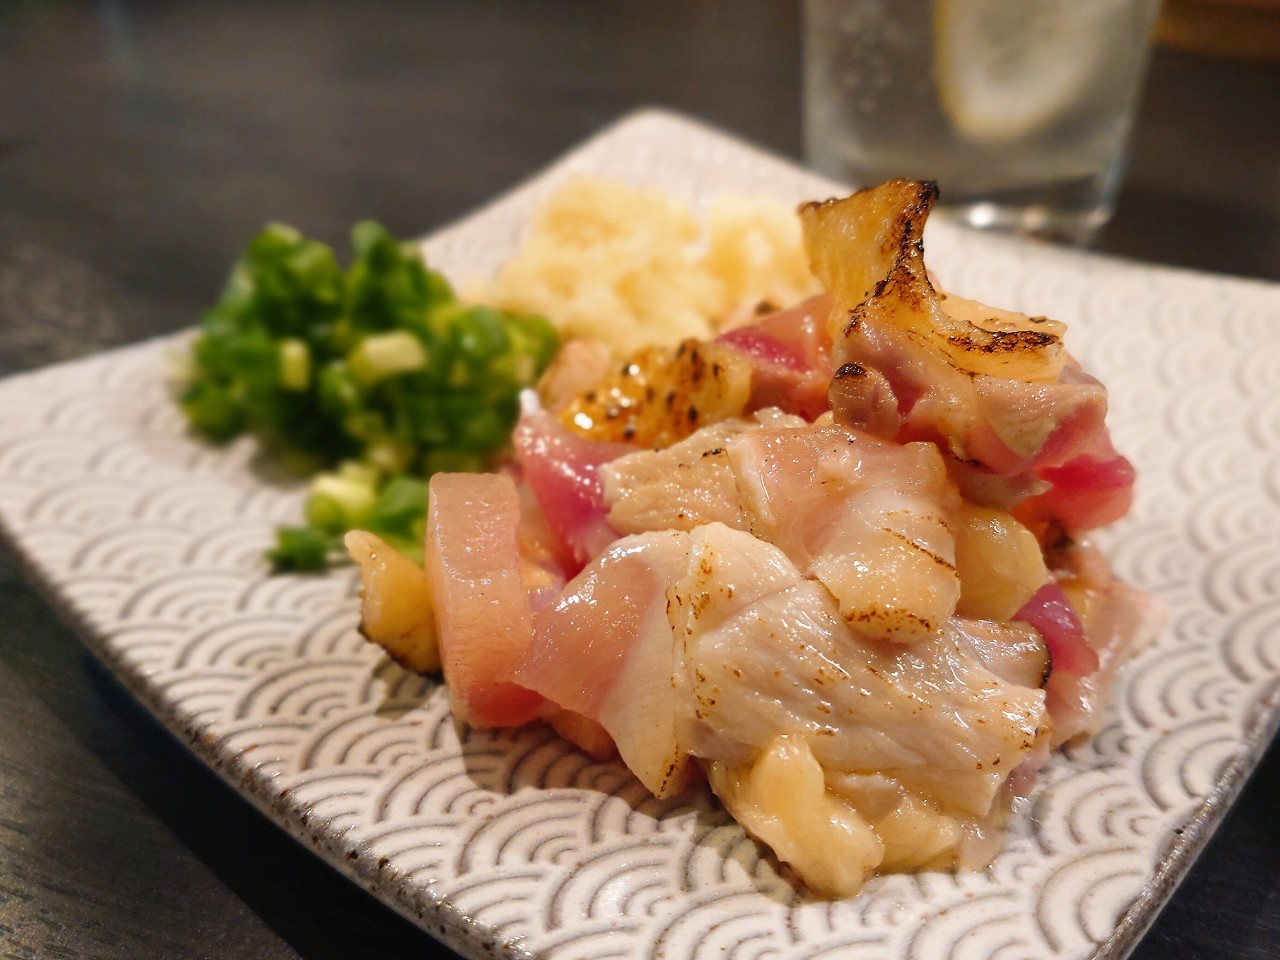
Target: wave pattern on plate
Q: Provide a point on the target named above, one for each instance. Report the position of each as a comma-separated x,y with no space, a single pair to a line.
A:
513,844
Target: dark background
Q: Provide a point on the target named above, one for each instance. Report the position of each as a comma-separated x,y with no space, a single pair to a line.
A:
141,144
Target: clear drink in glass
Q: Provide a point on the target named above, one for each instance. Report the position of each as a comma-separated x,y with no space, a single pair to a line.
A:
1020,109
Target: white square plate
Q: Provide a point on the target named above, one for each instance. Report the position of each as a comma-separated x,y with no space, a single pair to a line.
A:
515,845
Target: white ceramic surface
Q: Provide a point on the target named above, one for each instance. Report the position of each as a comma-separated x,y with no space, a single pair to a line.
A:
513,844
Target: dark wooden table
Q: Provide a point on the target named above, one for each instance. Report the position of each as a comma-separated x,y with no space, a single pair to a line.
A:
141,144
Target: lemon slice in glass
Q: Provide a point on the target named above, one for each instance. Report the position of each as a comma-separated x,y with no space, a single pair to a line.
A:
1006,68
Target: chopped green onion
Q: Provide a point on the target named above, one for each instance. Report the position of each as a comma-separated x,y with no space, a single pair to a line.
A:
376,373
401,505
302,549
295,364
386,355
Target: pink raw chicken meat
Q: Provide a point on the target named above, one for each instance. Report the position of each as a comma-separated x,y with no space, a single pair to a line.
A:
482,606
992,388
605,651
1115,619
866,517
1041,444
772,588
766,650
562,469
790,354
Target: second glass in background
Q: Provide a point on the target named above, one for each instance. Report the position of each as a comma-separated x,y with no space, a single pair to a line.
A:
1020,110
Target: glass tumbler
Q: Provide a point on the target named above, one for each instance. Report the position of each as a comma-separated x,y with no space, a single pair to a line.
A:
1020,109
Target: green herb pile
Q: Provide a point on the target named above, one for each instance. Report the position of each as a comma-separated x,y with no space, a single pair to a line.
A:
376,375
